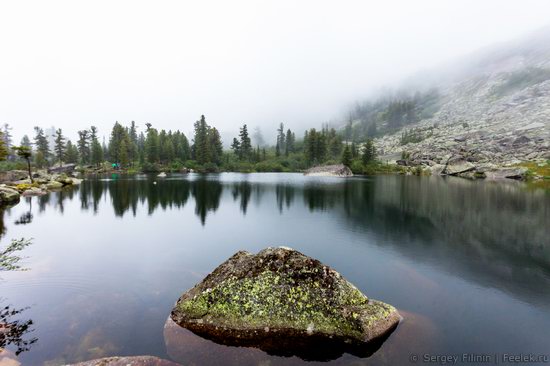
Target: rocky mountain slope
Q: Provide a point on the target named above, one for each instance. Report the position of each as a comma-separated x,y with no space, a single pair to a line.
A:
494,112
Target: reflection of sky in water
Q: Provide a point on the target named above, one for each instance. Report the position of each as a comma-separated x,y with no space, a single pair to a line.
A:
110,258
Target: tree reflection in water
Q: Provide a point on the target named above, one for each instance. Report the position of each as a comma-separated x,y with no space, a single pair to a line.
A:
14,332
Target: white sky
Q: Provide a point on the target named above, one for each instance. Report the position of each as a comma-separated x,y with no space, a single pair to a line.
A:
76,63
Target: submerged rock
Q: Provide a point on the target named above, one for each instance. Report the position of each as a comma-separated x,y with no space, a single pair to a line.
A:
339,170
127,361
285,303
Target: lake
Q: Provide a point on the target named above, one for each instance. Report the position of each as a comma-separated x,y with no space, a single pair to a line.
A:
467,263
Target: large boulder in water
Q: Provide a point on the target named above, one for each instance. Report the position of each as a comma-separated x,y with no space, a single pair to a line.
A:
338,170
284,302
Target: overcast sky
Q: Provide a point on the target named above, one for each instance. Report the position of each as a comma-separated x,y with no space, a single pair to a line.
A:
76,63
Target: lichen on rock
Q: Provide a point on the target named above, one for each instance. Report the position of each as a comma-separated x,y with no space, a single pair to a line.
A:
281,293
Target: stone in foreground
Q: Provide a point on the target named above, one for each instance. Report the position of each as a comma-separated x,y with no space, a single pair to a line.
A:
338,170
285,303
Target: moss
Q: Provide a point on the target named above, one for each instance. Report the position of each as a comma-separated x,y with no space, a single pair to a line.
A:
26,186
533,168
276,301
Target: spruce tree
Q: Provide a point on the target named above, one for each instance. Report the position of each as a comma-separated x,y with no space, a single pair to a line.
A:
59,146
236,147
152,153
96,149
289,148
245,143
3,148
200,141
25,141
369,152
71,155
84,146
42,148
215,144
346,156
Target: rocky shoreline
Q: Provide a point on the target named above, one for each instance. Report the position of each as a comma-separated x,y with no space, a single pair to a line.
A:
338,170
16,183
479,132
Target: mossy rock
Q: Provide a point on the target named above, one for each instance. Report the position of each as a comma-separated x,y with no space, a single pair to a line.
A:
53,185
285,303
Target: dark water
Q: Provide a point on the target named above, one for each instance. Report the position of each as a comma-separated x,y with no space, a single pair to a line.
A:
466,263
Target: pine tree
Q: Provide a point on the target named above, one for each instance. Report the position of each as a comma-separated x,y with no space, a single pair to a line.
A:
369,152
152,152
245,143
42,148
71,155
349,129
123,152
289,148
346,156
96,150
25,152
6,137
3,148
281,146
84,146
117,135
59,147
216,147
353,150
25,141
236,147
200,142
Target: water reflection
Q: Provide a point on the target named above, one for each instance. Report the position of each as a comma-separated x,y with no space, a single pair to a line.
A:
14,332
490,232
455,240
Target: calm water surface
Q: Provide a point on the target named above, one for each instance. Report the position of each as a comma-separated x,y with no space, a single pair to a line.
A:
466,263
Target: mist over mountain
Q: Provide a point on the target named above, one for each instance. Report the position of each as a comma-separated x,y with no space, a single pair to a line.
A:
491,106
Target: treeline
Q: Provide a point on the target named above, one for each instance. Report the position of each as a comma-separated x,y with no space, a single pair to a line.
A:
151,149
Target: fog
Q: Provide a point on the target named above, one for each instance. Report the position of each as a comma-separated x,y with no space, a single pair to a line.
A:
72,64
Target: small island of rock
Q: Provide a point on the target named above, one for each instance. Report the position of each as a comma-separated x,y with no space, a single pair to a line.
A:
338,170
284,302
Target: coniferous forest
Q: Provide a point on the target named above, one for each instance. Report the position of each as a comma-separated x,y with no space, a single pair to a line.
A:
130,148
